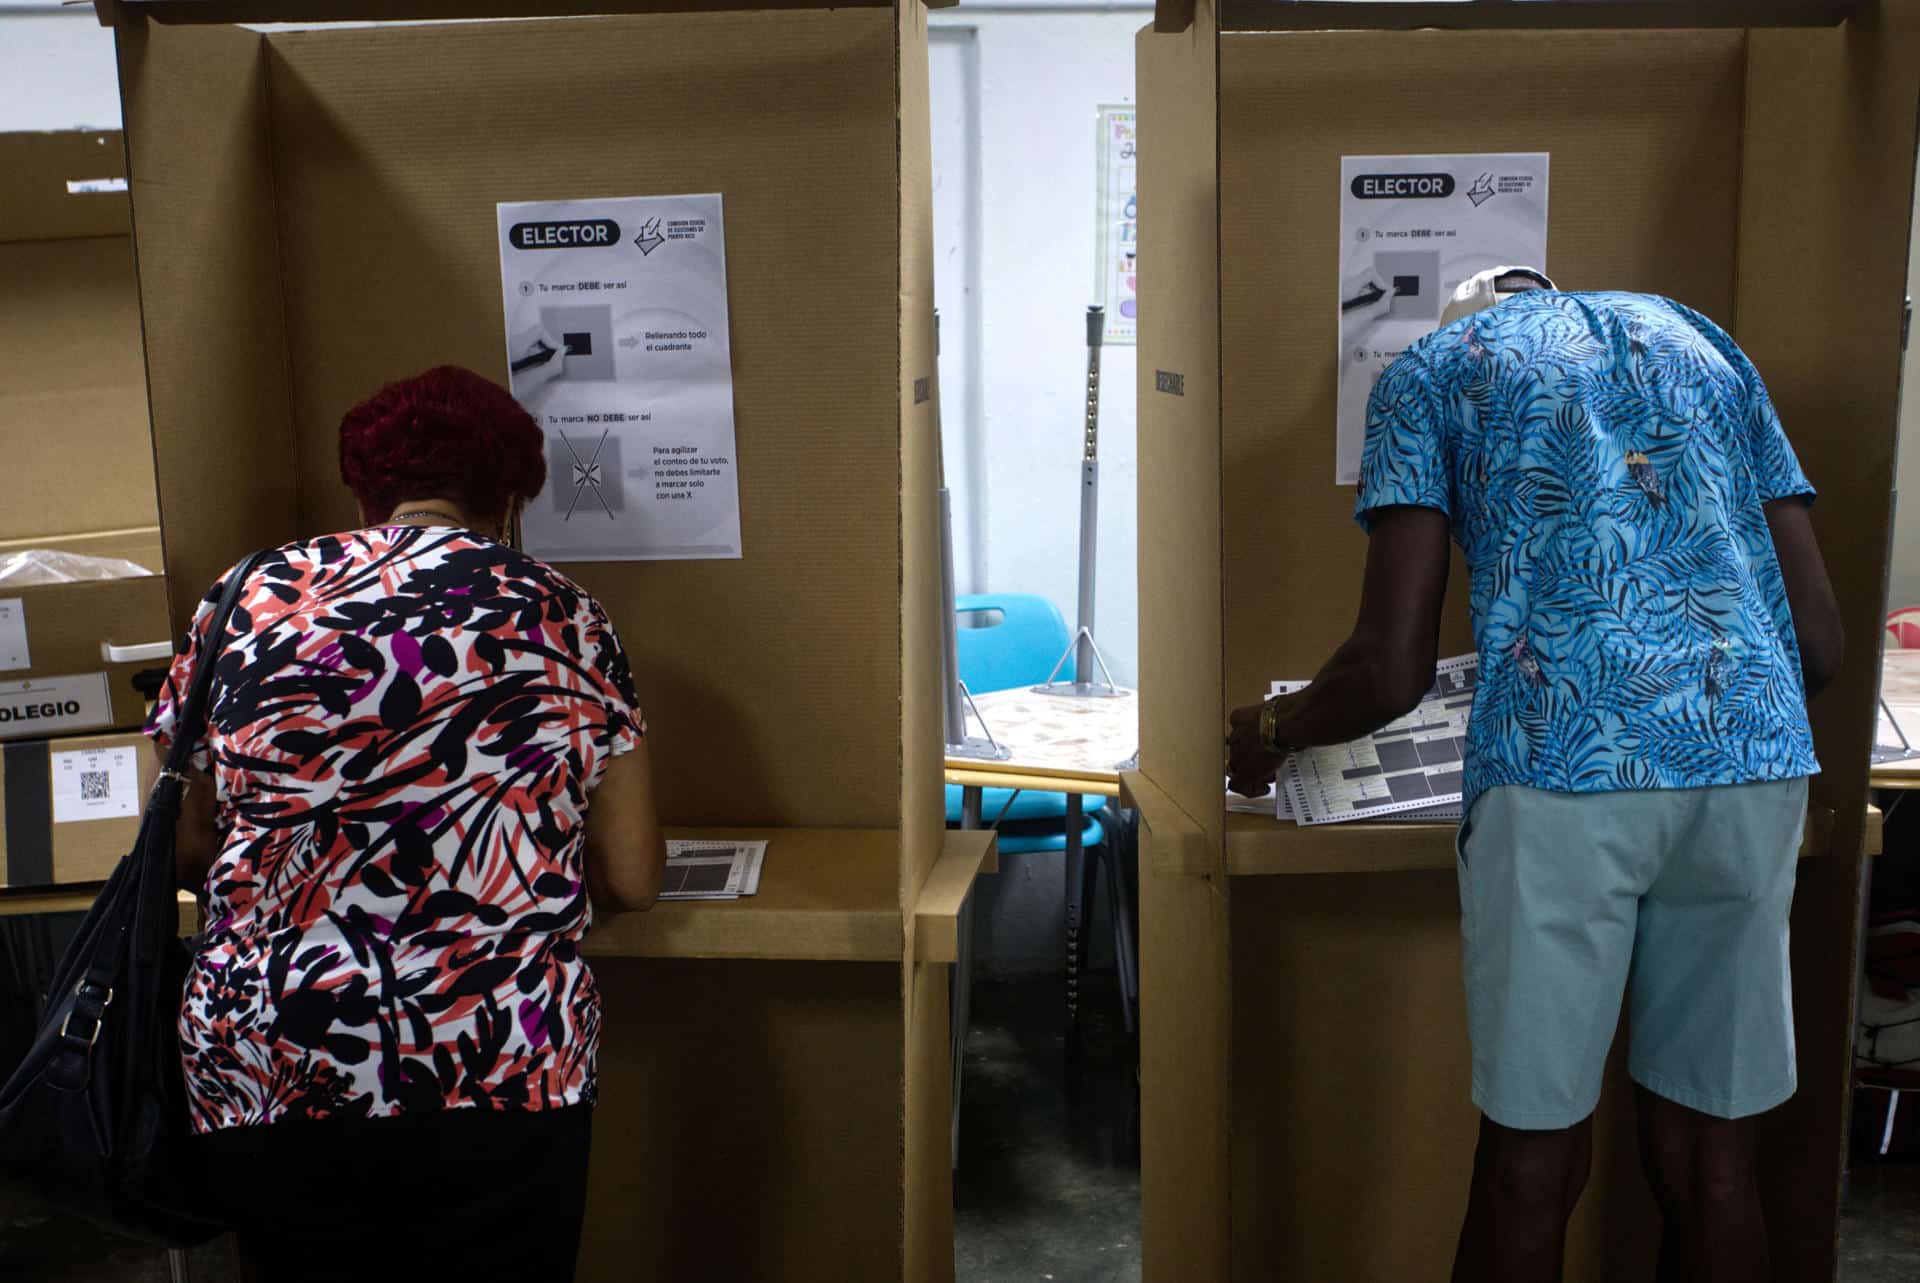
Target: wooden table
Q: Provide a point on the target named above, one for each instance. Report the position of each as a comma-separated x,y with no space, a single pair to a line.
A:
1058,743
1900,692
1074,745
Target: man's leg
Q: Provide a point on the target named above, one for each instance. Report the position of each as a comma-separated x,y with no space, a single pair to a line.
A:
1525,1187
1711,1007
1550,886
1702,1172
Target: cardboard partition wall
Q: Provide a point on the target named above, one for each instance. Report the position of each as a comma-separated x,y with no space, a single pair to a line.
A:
73,417
314,216
1306,1106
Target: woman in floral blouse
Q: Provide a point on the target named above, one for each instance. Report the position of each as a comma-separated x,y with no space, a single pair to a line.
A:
389,1031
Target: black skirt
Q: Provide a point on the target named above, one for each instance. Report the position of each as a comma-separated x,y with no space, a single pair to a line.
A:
463,1195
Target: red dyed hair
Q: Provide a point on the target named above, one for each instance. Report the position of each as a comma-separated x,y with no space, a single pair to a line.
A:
445,434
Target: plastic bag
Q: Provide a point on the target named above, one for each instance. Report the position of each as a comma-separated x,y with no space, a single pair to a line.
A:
33,566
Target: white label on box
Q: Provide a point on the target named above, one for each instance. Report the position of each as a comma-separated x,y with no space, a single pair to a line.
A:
47,705
13,635
95,186
96,784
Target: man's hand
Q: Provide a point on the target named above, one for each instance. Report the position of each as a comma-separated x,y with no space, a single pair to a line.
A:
1250,768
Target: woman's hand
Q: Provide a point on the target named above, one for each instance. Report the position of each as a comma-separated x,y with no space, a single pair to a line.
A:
626,854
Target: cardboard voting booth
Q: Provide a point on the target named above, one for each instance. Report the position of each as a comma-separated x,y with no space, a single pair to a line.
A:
1306,1098
79,463
315,216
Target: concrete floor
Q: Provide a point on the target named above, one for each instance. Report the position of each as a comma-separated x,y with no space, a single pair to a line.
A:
1049,1182
1880,1228
1049,1186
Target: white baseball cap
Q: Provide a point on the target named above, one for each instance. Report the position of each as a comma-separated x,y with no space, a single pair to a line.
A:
1477,292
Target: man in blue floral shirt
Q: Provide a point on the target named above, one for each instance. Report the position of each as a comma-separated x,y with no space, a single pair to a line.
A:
1651,613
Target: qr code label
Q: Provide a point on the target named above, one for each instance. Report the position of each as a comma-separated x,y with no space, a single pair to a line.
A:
96,784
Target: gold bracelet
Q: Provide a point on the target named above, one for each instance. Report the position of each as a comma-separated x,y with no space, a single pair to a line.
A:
1270,725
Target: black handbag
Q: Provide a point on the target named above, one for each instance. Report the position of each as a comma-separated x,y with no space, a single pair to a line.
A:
95,1118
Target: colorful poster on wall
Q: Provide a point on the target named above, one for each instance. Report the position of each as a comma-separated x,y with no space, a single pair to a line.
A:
1117,222
1411,229
618,344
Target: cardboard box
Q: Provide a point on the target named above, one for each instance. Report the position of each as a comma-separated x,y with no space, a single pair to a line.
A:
315,216
78,450
1306,1110
70,808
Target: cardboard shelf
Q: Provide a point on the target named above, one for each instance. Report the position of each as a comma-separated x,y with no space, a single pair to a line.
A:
965,855
1258,847
1261,847
825,895
24,901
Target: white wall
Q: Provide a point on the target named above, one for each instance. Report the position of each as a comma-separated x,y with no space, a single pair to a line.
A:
56,72
1040,73
1903,577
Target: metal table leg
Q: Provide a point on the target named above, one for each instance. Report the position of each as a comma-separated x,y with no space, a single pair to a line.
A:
1119,847
960,988
1078,879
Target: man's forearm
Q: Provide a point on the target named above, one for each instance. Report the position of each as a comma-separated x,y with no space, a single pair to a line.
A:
1354,695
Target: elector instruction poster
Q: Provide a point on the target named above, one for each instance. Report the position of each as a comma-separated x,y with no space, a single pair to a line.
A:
1411,229
1117,218
618,344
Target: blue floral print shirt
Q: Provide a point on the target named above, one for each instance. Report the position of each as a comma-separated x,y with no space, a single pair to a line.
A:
1603,459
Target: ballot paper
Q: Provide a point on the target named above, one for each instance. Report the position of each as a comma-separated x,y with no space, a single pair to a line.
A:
712,870
1278,802
1412,228
619,345
1271,802
1408,770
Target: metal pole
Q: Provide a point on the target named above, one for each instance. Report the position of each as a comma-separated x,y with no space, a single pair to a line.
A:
1083,649
956,712
1089,499
955,701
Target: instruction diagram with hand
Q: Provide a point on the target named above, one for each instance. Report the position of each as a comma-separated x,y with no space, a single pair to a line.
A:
1412,228
618,344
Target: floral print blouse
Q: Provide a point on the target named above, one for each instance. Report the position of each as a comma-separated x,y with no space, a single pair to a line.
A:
404,729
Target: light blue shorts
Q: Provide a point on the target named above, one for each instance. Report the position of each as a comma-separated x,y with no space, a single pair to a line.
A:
1676,899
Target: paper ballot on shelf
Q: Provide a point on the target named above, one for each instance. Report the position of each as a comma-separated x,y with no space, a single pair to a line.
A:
1409,770
1271,802
712,870
1278,802
619,344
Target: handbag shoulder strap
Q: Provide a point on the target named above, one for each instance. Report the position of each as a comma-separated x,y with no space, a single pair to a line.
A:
190,718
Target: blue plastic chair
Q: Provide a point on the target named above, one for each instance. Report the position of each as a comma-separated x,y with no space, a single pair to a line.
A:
1029,843
1007,640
